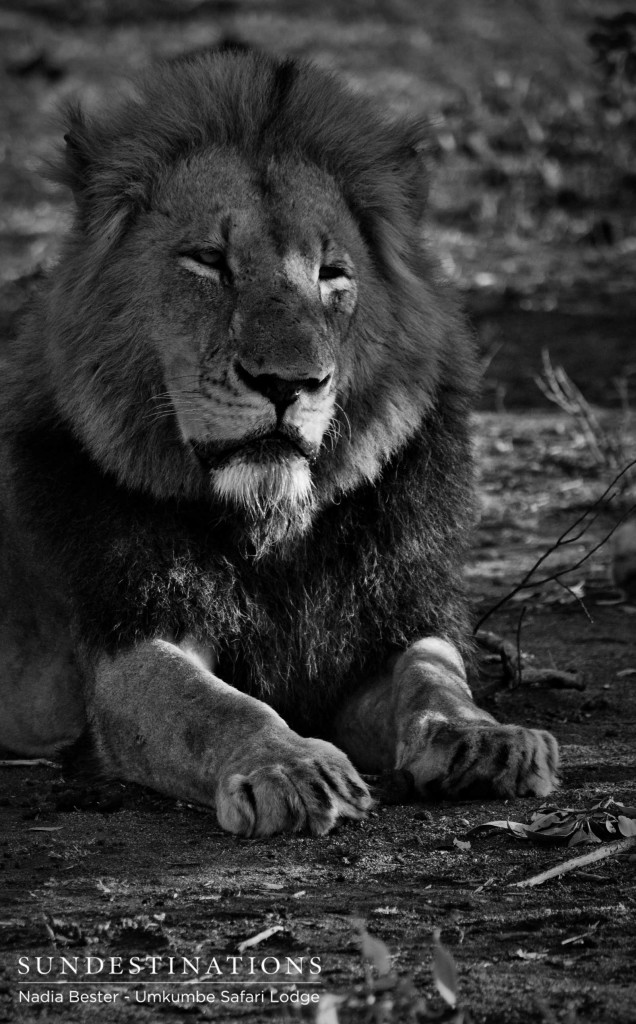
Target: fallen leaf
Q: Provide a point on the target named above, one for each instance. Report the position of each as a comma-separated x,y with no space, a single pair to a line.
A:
376,951
582,836
327,1009
444,971
626,826
515,828
571,826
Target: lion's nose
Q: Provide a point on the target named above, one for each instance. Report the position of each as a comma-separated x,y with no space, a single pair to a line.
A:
281,390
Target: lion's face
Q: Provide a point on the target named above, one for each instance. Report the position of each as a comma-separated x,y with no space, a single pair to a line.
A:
258,278
244,313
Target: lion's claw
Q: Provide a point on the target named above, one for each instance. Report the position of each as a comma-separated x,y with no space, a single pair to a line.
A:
298,785
484,759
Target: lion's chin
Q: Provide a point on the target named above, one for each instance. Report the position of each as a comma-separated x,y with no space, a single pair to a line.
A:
275,497
262,486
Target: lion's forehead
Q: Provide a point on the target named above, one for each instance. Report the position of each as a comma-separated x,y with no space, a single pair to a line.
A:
276,213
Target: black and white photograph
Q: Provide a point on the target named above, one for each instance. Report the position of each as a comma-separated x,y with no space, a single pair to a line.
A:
318,511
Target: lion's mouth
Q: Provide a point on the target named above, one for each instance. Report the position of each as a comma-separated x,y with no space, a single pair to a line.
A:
275,447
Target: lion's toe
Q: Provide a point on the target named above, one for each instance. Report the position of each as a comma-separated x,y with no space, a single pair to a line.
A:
487,760
537,764
299,793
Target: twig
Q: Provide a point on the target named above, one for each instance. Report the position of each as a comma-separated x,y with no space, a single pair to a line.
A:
608,850
495,644
571,568
261,937
576,597
553,679
28,763
567,538
519,625
560,389
511,660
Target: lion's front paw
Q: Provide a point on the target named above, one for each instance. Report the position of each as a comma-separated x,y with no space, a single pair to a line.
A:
483,759
297,784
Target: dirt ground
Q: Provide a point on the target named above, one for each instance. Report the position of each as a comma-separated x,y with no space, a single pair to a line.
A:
540,235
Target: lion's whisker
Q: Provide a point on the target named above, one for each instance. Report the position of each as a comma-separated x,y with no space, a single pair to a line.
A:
333,434
346,419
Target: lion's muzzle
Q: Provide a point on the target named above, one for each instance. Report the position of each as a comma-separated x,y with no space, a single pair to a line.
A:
282,390
276,446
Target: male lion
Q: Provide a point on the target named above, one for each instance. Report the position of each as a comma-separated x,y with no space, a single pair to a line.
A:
237,473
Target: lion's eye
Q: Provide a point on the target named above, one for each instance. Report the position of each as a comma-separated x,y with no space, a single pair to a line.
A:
211,258
331,273
207,263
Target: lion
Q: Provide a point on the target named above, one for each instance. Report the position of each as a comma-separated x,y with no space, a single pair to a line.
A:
237,482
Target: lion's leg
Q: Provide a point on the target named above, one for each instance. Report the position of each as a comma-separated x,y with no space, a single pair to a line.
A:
161,718
438,733
365,728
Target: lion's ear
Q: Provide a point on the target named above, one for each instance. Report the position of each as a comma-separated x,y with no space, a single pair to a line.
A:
418,181
79,154
106,194
415,168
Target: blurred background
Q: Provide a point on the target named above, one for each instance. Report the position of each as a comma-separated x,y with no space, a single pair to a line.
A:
532,107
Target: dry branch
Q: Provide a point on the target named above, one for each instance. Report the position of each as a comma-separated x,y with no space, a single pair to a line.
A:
571,535
609,850
511,664
553,679
18,762
561,390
